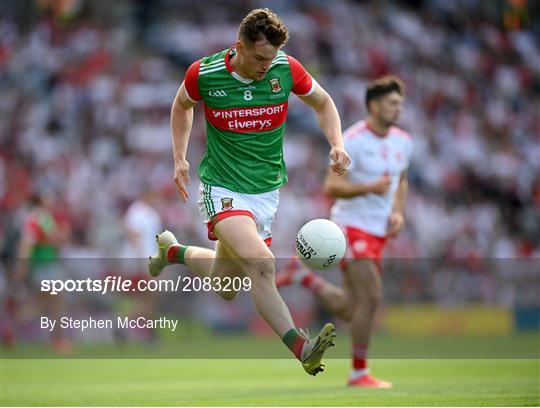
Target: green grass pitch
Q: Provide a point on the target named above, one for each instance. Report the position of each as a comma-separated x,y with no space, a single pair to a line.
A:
282,382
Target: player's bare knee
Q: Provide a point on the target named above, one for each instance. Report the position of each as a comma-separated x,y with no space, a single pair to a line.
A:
261,266
262,270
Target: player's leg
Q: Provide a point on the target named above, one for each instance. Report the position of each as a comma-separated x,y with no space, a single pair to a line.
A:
239,233
240,236
200,260
214,264
203,261
332,297
335,300
363,282
225,266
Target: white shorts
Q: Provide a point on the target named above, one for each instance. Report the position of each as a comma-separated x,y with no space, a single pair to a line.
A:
218,203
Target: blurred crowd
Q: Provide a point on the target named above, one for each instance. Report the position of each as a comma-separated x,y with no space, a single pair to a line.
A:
85,106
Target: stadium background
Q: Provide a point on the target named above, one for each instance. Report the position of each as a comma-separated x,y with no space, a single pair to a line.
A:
86,90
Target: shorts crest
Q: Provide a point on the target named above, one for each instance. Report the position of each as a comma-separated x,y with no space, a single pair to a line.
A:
226,203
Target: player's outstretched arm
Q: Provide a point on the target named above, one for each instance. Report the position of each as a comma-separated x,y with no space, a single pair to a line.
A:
341,187
181,122
328,118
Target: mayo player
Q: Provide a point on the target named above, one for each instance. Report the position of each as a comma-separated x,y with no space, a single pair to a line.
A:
244,90
369,208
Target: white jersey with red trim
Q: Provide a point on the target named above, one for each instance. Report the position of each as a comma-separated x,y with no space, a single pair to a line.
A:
372,156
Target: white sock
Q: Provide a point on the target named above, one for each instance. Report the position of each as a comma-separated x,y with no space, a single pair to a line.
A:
359,373
299,276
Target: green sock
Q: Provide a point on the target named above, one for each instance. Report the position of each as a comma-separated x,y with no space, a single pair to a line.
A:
294,342
176,254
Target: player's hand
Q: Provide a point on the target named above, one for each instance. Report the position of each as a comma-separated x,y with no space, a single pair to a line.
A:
181,178
381,185
395,224
340,159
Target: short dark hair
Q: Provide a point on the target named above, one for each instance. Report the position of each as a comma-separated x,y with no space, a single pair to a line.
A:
263,23
382,86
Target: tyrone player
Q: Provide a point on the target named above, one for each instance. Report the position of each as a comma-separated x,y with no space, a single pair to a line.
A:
244,90
369,208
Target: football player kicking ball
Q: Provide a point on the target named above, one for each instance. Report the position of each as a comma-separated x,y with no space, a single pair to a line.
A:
245,91
369,208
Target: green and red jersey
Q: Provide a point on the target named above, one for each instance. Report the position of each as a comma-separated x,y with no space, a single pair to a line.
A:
245,120
40,227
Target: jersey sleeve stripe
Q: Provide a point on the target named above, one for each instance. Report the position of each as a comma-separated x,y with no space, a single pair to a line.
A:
208,64
212,66
208,71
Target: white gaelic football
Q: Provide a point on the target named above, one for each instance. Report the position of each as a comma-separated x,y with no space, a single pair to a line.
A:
320,244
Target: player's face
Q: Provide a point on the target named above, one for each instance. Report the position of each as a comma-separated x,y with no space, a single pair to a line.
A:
256,58
389,108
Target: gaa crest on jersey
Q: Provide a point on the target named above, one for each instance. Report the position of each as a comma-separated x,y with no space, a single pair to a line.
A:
226,203
275,85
